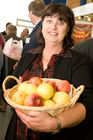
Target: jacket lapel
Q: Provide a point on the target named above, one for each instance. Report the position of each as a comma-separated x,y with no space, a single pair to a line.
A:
35,28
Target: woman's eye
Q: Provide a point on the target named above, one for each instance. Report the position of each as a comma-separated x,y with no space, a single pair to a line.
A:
61,22
49,20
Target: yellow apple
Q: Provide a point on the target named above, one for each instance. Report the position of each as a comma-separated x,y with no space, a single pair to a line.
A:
45,90
27,88
61,98
18,97
30,89
22,87
49,103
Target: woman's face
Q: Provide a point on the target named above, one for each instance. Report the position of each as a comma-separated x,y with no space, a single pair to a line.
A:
54,30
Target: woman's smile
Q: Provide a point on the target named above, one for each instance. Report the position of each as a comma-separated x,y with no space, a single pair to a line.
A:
53,33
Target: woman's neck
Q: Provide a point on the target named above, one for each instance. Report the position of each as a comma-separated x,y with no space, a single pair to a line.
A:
50,50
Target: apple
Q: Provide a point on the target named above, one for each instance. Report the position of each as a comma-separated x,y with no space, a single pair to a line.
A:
33,100
18,97
45,90
64,86
51,83
49,103
30,89
35,80
61,98
27,88
22,87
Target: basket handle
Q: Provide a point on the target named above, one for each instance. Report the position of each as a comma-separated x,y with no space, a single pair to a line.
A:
79,91
5,80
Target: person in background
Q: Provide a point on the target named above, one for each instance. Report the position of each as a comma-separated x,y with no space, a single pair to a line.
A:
3,72
86,47
2,41
35,10
54,1
54,58
11,33
4,33
24,34
1,65
4,67
1,59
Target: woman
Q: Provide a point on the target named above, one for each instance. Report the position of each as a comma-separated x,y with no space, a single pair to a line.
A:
55,59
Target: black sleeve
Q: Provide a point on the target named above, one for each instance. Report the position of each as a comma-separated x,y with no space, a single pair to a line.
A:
17,73
81,74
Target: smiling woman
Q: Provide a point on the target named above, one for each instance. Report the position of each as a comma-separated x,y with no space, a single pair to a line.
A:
55,43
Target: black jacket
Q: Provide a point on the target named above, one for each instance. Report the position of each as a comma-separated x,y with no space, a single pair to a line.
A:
75,69
85,47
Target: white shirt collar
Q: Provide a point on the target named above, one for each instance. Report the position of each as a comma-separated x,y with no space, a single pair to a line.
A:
37,22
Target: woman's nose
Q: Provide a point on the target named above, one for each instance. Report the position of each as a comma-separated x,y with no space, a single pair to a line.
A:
54,25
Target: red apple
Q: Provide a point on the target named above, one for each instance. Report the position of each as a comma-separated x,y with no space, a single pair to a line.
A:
51,83
63,86
33,100
35,80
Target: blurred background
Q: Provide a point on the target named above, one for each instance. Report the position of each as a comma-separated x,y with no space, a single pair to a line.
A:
11,11
17,12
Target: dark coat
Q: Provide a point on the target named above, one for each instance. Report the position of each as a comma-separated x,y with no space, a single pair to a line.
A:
4,33
12,35
33,39
1,58
85,47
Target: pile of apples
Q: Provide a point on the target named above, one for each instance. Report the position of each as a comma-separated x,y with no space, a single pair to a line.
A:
37,92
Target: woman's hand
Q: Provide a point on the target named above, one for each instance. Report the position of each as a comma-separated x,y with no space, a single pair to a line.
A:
43,122
38,121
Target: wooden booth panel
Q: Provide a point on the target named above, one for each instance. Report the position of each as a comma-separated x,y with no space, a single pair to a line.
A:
76,3
73,3
88,1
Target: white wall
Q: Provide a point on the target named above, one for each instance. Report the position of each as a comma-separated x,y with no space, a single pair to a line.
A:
12,9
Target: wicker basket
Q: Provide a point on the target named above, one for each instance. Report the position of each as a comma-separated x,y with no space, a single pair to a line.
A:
52,110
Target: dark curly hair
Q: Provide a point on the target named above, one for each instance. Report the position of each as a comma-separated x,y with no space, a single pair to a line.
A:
65,14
